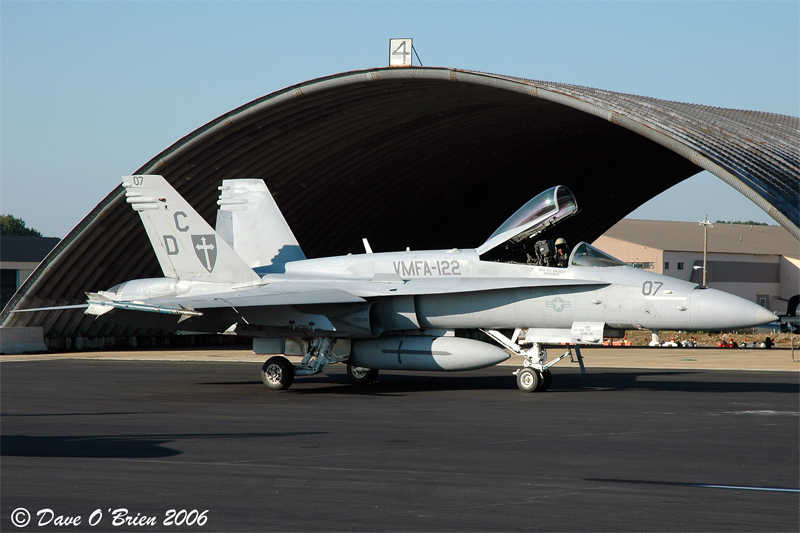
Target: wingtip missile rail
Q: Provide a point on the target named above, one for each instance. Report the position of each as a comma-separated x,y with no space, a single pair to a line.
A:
99,305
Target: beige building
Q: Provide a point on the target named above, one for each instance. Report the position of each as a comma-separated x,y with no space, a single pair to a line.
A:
758,263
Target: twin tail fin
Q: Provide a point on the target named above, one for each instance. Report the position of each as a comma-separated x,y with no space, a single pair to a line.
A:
186,246
250,221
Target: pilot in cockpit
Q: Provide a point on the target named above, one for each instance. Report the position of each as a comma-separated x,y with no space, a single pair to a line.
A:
562,253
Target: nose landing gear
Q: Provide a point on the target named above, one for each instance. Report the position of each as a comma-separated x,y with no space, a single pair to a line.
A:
535,374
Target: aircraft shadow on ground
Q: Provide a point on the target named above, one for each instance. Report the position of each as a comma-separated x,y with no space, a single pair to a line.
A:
112,446
231,383
661,380
568,382
4,415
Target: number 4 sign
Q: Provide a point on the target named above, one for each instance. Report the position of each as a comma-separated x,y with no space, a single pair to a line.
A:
400,52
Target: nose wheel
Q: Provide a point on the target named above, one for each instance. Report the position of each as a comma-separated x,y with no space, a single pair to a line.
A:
535,376
531,380
528,379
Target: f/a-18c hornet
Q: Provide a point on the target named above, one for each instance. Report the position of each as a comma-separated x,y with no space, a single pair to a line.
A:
412,310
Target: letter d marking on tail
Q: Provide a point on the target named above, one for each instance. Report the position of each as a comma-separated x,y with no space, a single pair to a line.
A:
171,245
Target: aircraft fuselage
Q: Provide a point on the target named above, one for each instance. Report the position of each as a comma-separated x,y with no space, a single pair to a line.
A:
623,297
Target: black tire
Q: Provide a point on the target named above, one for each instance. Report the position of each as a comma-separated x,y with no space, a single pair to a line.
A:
277,373
547,380
528,379
358,375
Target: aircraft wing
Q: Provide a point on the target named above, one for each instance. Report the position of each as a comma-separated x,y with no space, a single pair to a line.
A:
309,292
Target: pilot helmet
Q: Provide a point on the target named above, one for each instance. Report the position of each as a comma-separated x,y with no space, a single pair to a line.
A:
560,241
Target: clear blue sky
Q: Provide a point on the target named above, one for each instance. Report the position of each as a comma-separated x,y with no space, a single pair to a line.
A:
90,91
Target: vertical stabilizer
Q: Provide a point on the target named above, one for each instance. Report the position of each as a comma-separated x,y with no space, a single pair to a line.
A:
250,221
185,245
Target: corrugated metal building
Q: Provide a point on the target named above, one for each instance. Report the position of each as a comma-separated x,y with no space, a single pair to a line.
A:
759,263
426,158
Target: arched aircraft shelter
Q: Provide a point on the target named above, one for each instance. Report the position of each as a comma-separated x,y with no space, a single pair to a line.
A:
426,158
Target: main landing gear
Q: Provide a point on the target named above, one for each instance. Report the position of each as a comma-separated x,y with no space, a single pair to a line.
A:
360,376
535,374
278,372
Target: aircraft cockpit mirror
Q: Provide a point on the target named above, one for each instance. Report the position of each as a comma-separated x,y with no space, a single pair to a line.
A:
541,212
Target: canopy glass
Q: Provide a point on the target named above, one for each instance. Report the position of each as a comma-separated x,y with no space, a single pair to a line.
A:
544,210
589,256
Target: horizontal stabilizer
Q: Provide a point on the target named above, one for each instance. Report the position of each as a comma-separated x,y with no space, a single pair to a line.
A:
261,297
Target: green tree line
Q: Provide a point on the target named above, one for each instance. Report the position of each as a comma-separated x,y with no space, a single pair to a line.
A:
15,227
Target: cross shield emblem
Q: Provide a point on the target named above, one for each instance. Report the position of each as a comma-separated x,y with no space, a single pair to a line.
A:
205,246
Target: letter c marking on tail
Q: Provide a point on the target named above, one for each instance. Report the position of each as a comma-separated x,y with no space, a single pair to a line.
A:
178,224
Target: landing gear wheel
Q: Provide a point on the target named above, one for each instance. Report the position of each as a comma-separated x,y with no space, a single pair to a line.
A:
528,379
547,380
358,375
277,373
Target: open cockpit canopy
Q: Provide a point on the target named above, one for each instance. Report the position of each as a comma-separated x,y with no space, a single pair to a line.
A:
540,213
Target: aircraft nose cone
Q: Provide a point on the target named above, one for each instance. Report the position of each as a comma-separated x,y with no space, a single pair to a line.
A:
764,316
716,310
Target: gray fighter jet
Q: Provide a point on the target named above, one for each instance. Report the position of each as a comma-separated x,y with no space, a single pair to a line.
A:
412,310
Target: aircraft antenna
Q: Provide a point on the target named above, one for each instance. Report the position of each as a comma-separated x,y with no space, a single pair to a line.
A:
416,54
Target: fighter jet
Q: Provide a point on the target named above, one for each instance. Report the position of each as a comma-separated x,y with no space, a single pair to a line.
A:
408,310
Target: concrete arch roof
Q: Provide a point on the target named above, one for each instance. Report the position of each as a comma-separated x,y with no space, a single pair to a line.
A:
427,158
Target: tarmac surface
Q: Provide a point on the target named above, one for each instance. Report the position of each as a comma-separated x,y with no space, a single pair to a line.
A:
615,449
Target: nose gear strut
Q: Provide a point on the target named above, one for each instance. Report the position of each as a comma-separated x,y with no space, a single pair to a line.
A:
534,376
